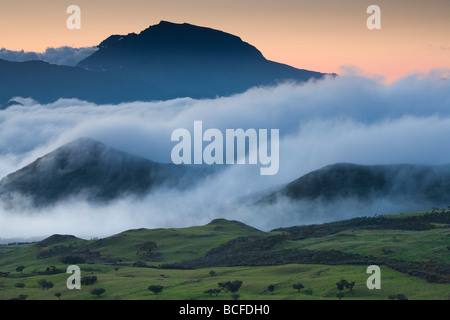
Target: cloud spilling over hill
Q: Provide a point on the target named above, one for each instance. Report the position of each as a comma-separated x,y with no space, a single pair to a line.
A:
346,119
90,170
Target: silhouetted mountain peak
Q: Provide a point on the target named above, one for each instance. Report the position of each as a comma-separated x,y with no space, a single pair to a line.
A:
168,43
164,61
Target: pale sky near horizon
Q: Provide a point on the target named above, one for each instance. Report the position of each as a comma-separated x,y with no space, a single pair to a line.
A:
320,35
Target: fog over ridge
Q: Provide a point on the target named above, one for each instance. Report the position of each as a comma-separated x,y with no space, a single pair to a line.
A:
350,119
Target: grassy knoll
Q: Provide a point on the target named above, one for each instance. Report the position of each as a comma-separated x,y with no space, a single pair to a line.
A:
413,253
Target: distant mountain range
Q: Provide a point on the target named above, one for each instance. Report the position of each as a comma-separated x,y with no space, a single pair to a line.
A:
99,173
91,169
165,61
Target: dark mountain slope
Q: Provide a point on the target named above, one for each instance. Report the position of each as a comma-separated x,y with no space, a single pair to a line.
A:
419,183
89,168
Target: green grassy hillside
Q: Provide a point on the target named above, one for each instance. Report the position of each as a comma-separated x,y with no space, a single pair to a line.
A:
412,251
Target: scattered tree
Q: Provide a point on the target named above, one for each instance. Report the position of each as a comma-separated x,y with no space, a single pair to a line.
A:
20,269
23,297
19,285
212,273
399,296
98,291
340,286
298,286
235,296
45,284
156,289
308,292
271,288
58,295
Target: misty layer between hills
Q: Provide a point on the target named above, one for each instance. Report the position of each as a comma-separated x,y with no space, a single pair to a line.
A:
90,172
94,172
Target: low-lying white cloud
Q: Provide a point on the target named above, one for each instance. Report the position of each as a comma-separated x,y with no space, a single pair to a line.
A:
347,119
66,56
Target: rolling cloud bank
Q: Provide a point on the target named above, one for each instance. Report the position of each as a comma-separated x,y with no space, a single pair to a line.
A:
346,119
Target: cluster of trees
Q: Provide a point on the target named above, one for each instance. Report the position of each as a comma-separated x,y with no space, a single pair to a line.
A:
210,292
45,284
399,296
20,297
296,286
52,270
344,284
231,287
88,280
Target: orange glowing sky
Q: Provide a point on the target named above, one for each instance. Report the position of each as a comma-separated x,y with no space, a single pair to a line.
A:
320,35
